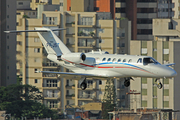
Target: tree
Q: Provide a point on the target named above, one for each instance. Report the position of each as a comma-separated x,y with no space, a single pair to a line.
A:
22,101
109,100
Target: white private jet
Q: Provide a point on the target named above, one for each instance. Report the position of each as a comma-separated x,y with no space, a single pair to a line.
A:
99,64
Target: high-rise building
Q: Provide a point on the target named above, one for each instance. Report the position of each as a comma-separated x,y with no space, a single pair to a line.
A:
141,13
7,43
90,6
165,49
85,31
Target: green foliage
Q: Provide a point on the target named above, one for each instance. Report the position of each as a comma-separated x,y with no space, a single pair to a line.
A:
25,16
21,101
109,100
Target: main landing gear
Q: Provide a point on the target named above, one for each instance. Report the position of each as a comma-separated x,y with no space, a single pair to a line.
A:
127,81
83,85
159,84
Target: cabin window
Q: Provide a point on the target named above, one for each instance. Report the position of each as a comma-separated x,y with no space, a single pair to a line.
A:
124,60
103,59
147,61
119,60
114,60
130,60
109,59
139,60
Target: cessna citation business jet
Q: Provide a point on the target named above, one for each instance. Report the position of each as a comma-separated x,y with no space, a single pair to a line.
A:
99,64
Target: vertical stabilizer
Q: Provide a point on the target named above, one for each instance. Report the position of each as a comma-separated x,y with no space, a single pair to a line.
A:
52,43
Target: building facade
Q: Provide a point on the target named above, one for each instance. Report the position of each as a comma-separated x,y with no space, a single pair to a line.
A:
7,43
141,13
165,50
85,31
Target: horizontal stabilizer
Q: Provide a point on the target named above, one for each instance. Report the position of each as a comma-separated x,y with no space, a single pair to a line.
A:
171,64
46,30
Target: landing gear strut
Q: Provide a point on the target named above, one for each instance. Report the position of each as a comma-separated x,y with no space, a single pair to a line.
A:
159,84
83,85
127,81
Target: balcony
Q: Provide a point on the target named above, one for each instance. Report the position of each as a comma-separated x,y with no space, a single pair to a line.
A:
72,24
70,34
49,75
72,96
48,64
86,97
70,86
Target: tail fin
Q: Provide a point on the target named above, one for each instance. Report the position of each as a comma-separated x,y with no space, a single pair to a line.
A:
51,42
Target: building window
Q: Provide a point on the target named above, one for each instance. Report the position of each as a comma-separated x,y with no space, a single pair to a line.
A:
20,3
37,50
144,31
146,10
100,82
61,4
52,104
67,102
96,8
144,21
120,10
51,83
36,40
144,103
86,21
36,80
50,20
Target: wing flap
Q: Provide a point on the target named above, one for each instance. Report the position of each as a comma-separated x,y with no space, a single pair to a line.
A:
70,75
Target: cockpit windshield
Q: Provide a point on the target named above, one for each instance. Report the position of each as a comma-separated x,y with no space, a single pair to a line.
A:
149,60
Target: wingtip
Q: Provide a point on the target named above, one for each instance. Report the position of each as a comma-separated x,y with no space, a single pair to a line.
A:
37,71
7,31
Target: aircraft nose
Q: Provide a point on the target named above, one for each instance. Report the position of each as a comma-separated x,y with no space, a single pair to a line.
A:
173,73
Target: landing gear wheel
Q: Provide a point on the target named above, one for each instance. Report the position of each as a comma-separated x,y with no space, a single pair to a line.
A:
159,85
126,83
83,86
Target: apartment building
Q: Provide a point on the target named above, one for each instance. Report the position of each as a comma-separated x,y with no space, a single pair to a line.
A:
7,43
141,13
165,49
90,6
85,31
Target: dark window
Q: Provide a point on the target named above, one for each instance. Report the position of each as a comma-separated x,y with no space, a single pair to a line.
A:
96,8
18,13
124,60
109,59
144,21
139,60
20,3
100,82
120,10
104,59
146,10
114,60
69,8
144,31
35,81
120,0
119,60
146,0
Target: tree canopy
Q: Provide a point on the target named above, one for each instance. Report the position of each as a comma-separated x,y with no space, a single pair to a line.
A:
23,101
109,100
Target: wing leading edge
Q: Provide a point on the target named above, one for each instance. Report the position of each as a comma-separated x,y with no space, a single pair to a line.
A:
76,76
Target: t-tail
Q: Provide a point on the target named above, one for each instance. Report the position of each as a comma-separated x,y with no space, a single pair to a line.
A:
52,43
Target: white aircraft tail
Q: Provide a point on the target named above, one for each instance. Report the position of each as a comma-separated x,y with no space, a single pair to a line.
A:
52,43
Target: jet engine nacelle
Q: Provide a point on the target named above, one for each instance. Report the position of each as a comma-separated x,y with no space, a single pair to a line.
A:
74,57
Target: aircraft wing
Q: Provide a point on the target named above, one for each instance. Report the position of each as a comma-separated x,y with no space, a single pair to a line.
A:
76,76
169,64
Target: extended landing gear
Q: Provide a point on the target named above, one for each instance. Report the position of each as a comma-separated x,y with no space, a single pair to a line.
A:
127,81
83,85
159,84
